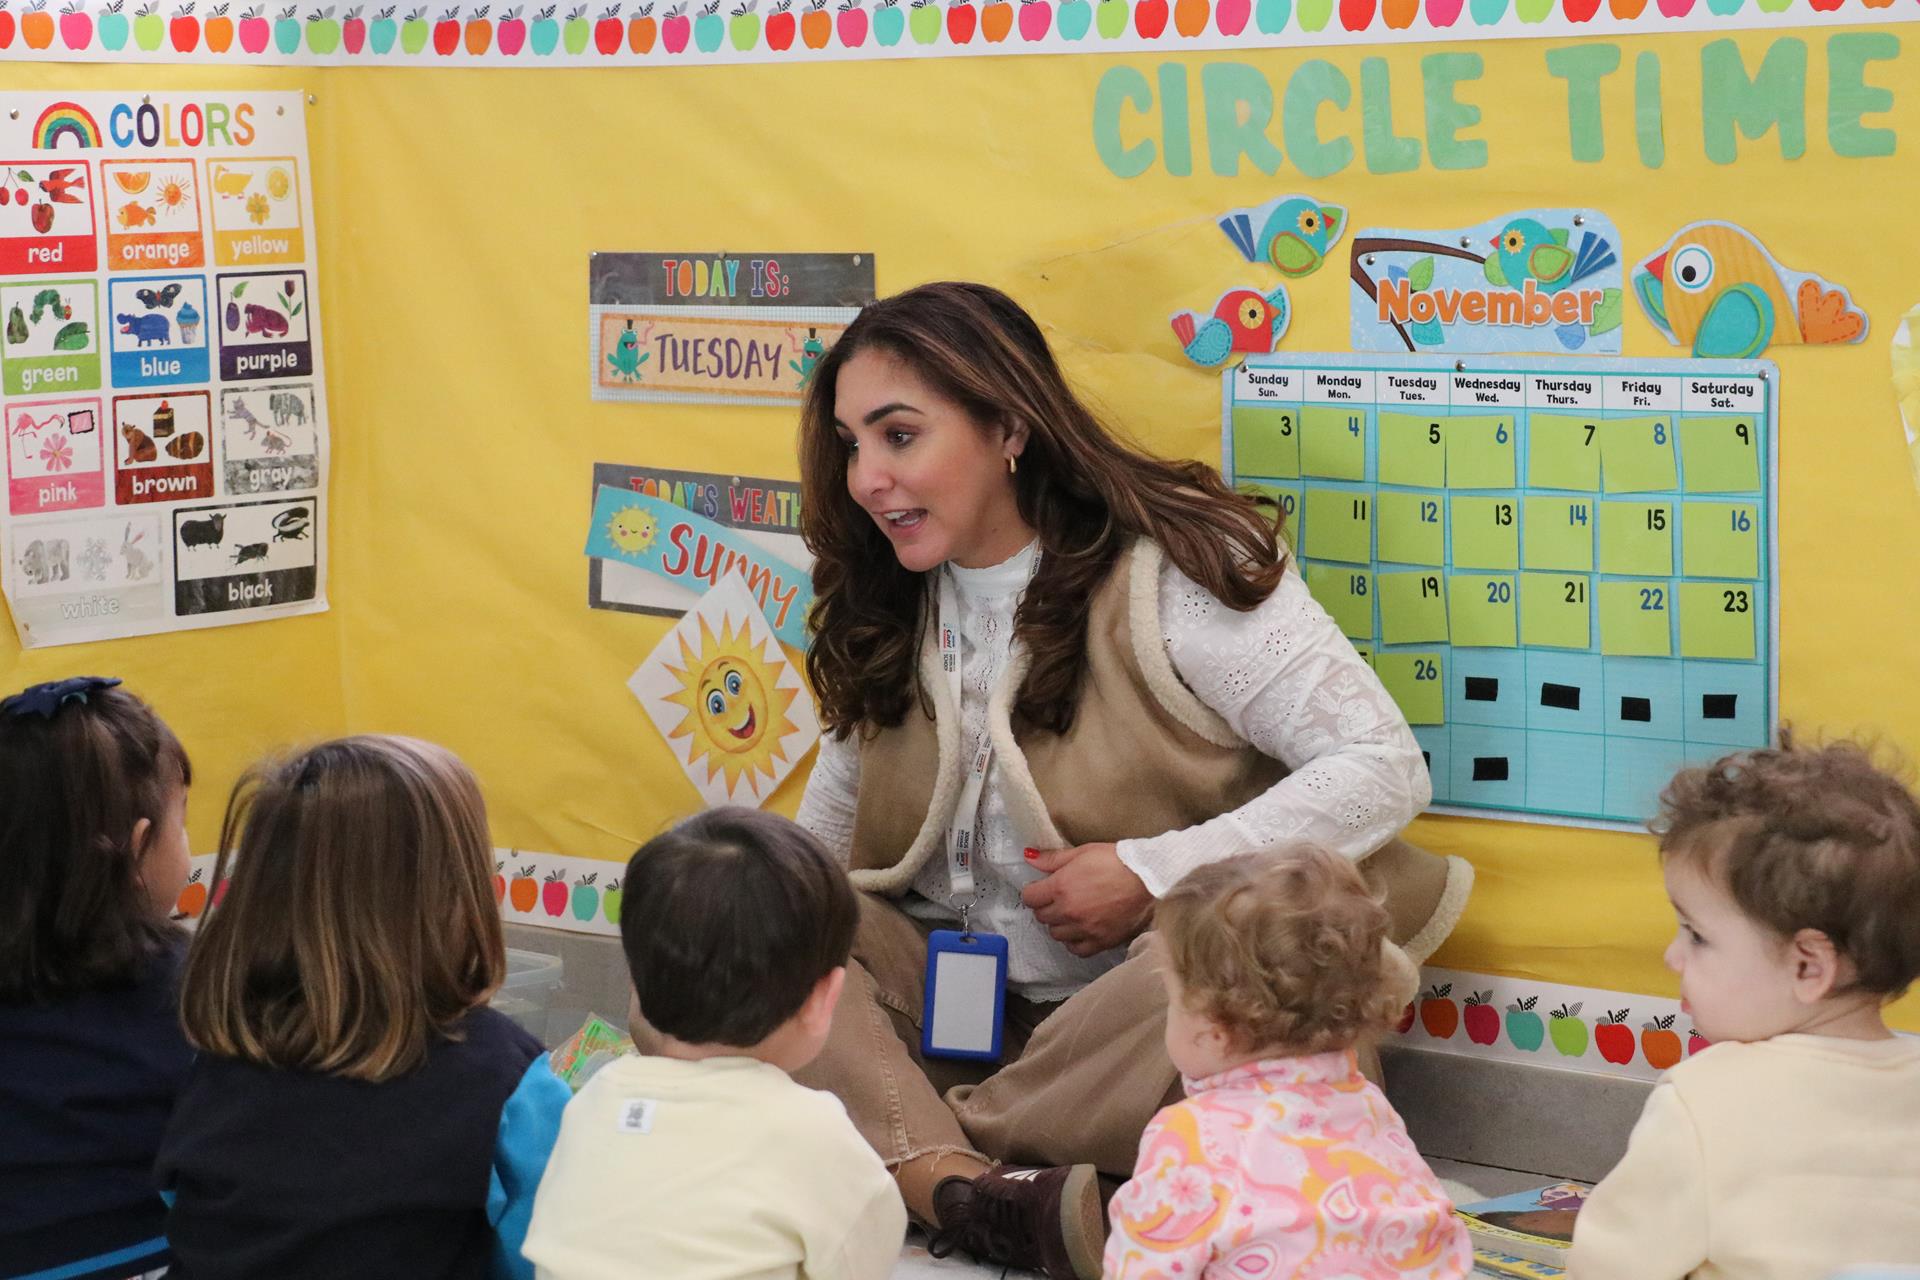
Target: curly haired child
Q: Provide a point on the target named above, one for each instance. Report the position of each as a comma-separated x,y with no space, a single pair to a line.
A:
1283,1160
1787,1150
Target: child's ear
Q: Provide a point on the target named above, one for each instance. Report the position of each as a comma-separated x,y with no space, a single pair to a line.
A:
141,830
817,1013
1818,967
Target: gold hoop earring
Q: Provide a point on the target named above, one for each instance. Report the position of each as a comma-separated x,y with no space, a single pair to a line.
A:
1013,463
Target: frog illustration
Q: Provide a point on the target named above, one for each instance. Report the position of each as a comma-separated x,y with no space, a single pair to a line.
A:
627,356
810,353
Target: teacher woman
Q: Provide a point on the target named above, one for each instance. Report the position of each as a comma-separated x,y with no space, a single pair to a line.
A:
1133,682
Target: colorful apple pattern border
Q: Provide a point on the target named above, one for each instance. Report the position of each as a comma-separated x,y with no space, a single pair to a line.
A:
1520,1020
581,895
421,32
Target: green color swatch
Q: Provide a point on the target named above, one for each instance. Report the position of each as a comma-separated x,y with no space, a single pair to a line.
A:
1480,609
1333,442
1636,454
1346,594
1413,607
1720,455
1339,525
1635,618
1557,533
1717,619
1563,452
1637,538
1417,682
1720,540
1413,450
1556,610
1486,533
1412,528
1480,452
1266,440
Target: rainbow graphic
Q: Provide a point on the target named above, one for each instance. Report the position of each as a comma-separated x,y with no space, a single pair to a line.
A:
65,120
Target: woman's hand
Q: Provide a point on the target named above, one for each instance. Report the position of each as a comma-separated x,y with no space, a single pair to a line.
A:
1089,901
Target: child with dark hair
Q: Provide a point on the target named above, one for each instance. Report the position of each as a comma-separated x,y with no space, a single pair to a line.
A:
703,1160
1786,1150
1282,1160
93,853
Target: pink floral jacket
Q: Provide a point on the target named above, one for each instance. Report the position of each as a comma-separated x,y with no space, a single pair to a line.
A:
1291,1168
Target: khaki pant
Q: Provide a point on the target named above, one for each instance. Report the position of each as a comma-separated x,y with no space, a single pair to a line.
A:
1079,1080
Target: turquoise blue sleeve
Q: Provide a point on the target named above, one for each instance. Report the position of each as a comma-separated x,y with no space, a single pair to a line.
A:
529,1126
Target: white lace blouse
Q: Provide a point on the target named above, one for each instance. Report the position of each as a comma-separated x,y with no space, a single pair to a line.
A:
1280,674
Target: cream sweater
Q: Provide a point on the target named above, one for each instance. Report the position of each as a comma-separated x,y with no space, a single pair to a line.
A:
716,1170
1785,1159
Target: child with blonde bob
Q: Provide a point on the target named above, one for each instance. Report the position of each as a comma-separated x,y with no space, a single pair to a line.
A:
1790,1148
357,1109
1283,1160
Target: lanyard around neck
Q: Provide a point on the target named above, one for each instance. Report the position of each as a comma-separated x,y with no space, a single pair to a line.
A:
962,833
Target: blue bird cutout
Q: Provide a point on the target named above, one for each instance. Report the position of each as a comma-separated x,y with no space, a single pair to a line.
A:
1528,249
1292,233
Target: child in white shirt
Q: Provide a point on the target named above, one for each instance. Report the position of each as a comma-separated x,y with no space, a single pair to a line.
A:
1790,1149
704,1161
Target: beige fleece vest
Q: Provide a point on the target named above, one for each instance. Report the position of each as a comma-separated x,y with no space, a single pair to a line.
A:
1144,756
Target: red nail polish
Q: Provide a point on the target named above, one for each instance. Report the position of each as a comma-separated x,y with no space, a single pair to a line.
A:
1032,854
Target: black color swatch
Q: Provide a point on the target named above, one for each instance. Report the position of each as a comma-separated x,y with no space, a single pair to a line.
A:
1638,710
1717,706
1483,689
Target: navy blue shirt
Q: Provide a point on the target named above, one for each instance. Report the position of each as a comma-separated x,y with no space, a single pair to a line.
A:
293,1174
86,1085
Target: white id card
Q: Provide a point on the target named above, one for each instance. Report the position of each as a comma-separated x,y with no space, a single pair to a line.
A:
966,995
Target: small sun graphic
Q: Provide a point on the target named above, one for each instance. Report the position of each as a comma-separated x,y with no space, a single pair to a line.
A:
632,529
736,713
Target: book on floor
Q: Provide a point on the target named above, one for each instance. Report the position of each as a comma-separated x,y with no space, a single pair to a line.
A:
1535,1225
1492,1262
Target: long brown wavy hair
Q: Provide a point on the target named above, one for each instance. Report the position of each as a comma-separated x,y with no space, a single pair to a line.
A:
358,926
1085,491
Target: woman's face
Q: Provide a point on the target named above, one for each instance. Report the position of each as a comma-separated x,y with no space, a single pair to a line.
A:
933,479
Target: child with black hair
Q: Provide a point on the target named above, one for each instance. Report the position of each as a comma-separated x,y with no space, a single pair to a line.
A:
703,1160
93,853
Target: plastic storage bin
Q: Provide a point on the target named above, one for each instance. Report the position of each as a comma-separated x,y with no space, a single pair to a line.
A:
527,995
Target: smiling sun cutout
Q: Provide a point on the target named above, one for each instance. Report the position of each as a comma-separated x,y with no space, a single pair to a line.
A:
736,711
727,698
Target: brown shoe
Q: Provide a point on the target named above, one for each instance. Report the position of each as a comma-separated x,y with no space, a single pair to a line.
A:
1047,1220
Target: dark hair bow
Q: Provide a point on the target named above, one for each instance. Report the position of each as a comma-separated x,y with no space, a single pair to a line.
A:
44,700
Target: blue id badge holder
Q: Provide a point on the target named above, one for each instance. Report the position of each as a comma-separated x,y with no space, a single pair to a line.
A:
966,995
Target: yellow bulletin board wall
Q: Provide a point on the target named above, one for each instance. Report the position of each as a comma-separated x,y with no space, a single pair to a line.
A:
457,210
